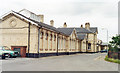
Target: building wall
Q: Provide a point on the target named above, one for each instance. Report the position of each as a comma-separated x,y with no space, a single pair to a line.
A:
74,45
48,44
18,35
13,37
83,45
92,38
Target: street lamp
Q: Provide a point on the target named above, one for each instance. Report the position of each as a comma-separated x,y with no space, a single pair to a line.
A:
107,37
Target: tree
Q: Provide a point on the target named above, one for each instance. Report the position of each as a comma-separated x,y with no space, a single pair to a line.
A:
115,41
115,44
114,47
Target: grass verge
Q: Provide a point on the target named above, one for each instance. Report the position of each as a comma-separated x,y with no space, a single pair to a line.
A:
112,60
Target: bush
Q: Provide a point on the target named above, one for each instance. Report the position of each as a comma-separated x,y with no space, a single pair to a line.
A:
112,60
116,49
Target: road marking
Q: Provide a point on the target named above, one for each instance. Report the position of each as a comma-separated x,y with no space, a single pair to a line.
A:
51,57
99,58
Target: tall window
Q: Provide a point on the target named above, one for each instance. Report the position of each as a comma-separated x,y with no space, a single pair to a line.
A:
51,37
54,37
41,35
46,36
89,46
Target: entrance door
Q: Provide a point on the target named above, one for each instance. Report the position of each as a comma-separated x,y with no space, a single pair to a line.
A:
20,49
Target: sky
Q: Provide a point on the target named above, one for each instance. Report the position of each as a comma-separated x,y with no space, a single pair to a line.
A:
99,13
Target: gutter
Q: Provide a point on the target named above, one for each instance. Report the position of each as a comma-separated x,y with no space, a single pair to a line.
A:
28,38
57,43
39,40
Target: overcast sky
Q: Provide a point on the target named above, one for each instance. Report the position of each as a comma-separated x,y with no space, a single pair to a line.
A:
100,13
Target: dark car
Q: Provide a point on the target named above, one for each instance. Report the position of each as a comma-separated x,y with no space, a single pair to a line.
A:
104,50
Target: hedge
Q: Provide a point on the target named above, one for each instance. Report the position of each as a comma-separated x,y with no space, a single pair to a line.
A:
112,60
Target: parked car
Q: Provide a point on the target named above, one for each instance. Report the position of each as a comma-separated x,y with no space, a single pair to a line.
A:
3,54
104,50
12,53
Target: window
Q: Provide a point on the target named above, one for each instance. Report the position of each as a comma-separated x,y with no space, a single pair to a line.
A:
89,46
54,37
70,43
58,42
51,37
64,43
41,35
46,36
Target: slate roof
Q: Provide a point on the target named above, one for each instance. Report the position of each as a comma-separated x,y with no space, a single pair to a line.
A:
81,36
93,29
83,30
38,23
66,31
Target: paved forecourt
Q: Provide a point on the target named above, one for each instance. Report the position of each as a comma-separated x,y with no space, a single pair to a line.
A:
76,62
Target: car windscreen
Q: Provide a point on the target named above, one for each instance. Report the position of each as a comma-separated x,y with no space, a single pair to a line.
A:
6,48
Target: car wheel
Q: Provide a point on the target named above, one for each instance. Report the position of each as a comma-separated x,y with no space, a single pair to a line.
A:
3,57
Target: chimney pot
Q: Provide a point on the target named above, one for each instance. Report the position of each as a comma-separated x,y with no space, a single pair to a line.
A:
41,18
65,25
87,25
81,26
51,22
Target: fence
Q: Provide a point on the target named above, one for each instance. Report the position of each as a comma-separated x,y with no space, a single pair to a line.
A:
114,53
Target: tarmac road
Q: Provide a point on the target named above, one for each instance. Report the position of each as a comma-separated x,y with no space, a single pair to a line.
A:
76,62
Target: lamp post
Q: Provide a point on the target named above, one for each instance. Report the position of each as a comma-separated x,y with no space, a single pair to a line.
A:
107,37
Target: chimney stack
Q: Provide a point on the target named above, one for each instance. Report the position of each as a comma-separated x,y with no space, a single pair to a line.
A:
65,25
41,18
81,26
51,22
87,25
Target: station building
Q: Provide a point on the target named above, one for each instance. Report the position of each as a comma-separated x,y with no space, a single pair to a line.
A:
27,33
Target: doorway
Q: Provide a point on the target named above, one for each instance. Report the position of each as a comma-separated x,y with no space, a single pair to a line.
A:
20,49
